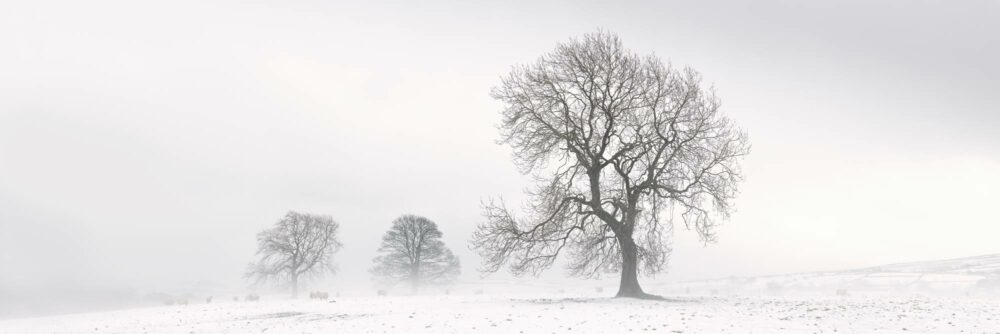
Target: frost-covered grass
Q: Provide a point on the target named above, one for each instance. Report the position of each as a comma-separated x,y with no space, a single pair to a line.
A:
552,314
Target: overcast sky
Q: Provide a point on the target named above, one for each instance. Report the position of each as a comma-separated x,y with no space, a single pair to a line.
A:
146,144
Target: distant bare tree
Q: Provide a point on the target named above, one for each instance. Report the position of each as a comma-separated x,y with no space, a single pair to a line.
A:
412,252
621,146
299,246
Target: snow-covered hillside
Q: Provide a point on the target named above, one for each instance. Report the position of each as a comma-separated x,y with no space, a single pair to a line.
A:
977,276
497,314
949,296
985,265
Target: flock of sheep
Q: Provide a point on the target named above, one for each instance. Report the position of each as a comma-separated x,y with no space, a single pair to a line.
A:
253,297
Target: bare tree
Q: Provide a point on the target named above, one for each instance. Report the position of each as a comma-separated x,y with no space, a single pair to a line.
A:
412,252
299,246
621,146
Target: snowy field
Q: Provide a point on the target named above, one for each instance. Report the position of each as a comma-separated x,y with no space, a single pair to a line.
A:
947,296
553,314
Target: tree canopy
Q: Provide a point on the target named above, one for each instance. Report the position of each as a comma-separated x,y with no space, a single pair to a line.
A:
412,251
621,146
300,245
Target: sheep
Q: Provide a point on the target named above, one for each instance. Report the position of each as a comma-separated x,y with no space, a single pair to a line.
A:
319,295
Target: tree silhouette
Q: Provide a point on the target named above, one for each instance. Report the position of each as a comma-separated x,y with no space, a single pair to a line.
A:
298,246
412,251
621,146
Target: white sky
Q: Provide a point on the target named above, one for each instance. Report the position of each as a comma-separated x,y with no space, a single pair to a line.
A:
146,144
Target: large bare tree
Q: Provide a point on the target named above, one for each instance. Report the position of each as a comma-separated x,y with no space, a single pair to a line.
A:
299,246
412,251
621,146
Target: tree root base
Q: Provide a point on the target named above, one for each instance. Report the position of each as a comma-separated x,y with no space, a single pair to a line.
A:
640,295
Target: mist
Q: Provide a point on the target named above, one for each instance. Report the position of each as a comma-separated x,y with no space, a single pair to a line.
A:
144,146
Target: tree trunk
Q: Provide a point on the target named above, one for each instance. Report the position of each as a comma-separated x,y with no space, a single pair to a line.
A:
629,286
295,286
415,278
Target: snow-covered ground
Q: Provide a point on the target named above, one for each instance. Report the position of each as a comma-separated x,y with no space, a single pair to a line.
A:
947,296
553,314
